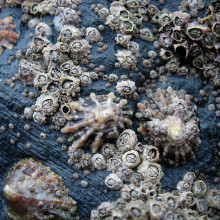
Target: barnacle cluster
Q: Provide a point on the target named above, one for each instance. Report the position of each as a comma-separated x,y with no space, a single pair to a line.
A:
188,44
54,69
7,36
102,116
193,199
126,17
168,120
136,173
33,191
193,6
127,156
43,7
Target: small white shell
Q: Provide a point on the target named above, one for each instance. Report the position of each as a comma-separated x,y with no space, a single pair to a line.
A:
131,159
99,161
92,35
113,182
126,59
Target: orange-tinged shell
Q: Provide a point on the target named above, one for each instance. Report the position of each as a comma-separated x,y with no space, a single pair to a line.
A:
7,36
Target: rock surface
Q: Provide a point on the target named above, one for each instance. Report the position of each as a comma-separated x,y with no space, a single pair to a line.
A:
50,152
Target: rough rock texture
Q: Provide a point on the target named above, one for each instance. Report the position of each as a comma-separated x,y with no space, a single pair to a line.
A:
50,152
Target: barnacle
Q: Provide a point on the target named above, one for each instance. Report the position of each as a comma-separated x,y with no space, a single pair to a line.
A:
216,29
130,159
39,117
156,209
198,62
7,36
85,79
79,48
173,65
196,31
164,18
99,161
133,47
180,18
58,119
177,34
113,78
40,80
124,173
103,13
69,33
166,54
127,89
107,150
47,103
136,209
39,43
127,27
104,209
150,153
28,71
101,116
213,198
53,55
126,59
145,34
113,22
123,40
113,182
151,172
168,121
38,192
92,35
127,140
43,30
66,16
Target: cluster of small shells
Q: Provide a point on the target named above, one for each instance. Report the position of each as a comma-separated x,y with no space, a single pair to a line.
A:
128,155
168,120
43,7
38,192
195,41
54,69
126,17
192,6
193,199
7,36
